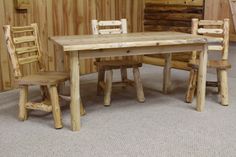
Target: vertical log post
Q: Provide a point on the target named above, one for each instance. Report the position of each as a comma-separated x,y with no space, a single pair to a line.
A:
201,83
56,111
75,91
167,73
108,88
22,102
138,85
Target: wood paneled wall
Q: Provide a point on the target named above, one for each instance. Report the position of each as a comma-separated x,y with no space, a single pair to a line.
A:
63,17
218,10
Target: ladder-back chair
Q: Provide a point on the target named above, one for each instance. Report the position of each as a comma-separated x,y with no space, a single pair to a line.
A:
105,67
23,45
218,29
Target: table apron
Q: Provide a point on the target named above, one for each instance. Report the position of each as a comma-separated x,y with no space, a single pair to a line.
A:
132,51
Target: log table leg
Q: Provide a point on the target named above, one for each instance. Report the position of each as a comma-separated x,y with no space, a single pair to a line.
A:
201,86
167,73
75,91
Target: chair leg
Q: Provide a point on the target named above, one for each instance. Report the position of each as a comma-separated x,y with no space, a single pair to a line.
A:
224,88
56,111
167,73
82,110
108,88
61,87
23,100
138,85
44,92
123,75
191,86
101,75
218,80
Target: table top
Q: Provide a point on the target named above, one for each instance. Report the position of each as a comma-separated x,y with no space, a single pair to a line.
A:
142,39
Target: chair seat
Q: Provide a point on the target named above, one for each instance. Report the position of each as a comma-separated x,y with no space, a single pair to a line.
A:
218,64
44,78
117,64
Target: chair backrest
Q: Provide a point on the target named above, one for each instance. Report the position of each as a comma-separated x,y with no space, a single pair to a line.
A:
218,29
109,27
23,45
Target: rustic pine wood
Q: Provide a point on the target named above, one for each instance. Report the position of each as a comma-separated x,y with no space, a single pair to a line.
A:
75,91
201,85
46,80
23,100
173,15
115,45
56,111
220,65
138,85
233,11
53,20
167,73
108,88
57,17
106,66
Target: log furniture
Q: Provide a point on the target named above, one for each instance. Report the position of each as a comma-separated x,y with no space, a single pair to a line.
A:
114,45
218,29
23,45
105,67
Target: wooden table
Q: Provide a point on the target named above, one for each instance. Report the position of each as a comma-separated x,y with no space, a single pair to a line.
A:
97,46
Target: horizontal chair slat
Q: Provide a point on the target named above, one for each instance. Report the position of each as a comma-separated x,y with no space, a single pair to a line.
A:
25,28
210,23
110,31
24,39
215,47
28,60
109,23
24,50
210,31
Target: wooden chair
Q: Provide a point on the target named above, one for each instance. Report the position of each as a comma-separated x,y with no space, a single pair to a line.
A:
23,45
218,29
105,67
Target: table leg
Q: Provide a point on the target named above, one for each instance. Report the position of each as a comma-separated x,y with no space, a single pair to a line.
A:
167,73
75,91
201,86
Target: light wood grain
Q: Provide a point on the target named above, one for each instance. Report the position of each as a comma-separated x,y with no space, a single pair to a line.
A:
62,18
108,88
95,42
42,78
75,91
22,102
221,65
56,111
167,73
138,85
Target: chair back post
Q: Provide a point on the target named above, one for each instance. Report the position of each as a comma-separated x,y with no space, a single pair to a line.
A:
38,44
194,32
95,27
124,26
226,40
12,51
